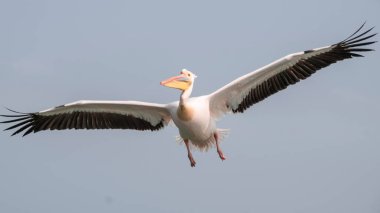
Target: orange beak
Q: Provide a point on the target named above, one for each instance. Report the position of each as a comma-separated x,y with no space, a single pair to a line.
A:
181,82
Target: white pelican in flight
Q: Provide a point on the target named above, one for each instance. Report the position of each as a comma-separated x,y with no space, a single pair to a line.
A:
195,117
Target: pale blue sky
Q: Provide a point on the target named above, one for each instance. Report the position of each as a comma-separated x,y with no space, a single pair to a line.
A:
311,148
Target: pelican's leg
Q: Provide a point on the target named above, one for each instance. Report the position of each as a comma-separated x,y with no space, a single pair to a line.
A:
217,147
192,161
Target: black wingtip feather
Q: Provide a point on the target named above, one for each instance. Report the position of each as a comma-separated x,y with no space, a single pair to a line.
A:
353,34
19,124
14,120
356,55
16,111
22,129
30,130
357,41
13,116
361,44
358,36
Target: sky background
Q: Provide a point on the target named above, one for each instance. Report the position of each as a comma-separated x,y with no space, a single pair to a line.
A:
311,148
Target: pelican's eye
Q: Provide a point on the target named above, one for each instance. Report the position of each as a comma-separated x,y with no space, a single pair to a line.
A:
188,74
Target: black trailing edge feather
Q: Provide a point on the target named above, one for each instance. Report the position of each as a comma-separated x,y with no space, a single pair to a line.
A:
304,68
35,122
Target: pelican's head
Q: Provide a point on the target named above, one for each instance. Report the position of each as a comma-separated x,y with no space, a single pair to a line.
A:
182,82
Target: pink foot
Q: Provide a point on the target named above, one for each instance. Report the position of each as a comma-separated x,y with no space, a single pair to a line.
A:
192,161
221,155
189,155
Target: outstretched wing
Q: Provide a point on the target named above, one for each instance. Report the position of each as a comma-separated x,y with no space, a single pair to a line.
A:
254,87
92,115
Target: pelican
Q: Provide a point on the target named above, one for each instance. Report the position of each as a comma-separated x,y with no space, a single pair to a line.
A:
195,117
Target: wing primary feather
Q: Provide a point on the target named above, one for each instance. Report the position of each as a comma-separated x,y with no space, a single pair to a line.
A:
16,111
359,40
356,55
14,120
45,123
361,49
39,122
14,116
22,128
19,124
361,44
355,32
365,32
30,130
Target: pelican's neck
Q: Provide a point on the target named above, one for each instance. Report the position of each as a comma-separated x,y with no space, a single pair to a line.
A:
185,95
